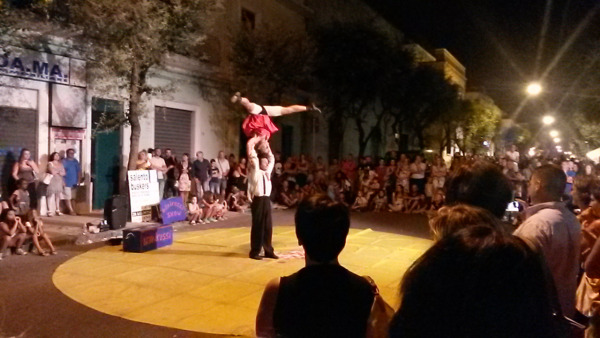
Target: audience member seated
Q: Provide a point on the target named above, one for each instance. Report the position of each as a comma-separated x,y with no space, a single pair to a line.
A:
415,200
397,203
380,201
237,200
476,282
209,206
194,211
323,299
220,208
35,228
481,184
438,200
287,197
361,203
12,232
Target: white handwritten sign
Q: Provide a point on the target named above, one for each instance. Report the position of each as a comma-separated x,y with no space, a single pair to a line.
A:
143,193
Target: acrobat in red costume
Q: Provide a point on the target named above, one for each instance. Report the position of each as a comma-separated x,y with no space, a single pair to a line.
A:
258,121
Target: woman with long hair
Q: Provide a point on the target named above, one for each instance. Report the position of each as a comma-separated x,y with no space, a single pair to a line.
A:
26,168
57,184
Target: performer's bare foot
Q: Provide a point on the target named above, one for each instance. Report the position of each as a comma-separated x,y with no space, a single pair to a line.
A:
237,97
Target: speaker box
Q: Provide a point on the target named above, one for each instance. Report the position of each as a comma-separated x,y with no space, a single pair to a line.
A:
115,212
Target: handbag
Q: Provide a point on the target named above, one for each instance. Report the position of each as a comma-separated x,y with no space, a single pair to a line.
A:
381,314
47,178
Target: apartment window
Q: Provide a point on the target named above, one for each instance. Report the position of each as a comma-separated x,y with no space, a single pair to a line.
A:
248,19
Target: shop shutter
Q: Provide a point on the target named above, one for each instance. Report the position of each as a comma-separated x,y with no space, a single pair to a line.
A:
173,129
18,129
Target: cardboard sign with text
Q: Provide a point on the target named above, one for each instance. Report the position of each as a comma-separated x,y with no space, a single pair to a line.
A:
173,210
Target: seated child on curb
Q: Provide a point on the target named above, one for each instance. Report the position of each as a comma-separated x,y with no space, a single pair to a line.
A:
194,211
35,227
19,200
220,208
236,200
209,207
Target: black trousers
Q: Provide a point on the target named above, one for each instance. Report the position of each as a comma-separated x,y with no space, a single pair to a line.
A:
262,226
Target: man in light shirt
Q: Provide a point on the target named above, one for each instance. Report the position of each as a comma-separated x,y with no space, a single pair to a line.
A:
555,231
158,163
259,190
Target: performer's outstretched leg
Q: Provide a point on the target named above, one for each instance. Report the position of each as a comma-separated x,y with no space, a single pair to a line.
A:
255,109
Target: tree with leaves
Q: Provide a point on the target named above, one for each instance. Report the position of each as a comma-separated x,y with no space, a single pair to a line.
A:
351,64
125,40
427,97
479,121
269,64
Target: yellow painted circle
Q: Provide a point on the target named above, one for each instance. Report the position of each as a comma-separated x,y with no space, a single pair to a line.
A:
205,281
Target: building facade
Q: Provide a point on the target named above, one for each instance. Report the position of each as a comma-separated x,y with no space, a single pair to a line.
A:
47,104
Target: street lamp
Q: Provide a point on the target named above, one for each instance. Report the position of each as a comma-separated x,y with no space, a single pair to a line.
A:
534,89
553,133
556,140
548,120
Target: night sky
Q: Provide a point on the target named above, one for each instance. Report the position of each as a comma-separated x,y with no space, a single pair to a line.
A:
498,42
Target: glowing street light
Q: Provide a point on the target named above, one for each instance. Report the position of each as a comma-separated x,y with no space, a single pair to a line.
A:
553,133
534,89
556,140
548,120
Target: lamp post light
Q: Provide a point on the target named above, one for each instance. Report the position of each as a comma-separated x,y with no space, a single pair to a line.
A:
548,120
556,140
534,89
553,133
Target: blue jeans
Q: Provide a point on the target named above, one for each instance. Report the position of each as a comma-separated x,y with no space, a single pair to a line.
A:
215,187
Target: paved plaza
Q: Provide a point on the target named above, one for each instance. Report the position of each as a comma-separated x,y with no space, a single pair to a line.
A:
202,286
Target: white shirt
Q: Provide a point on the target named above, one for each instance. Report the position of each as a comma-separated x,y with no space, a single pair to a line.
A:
158,163
259,181
223,165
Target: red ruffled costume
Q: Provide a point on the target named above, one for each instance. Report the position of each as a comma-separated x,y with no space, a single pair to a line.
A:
260,124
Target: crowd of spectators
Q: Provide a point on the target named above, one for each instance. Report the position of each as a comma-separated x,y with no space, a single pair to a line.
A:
537,276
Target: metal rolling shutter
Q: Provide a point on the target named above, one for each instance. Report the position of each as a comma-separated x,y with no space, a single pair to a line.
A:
173,129
18,129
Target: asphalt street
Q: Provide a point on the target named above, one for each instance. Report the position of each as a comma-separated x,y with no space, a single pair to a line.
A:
31,306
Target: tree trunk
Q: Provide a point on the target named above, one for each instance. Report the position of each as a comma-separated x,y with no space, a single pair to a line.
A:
336,136
134,114
362,140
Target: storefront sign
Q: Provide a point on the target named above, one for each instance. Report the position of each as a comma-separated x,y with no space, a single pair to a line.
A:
173,210
41,66
68,134
143,193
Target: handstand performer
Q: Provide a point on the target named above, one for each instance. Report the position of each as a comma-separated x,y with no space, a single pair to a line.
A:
259,190
258,121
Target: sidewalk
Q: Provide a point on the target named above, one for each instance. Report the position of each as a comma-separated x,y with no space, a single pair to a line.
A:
65,229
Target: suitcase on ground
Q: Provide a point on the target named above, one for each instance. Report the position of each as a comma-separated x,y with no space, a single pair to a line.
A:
146,238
